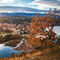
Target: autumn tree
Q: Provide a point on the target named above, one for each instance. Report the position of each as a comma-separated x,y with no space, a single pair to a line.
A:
41,31
57,17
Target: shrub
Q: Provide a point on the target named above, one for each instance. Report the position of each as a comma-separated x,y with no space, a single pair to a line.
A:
40,48
12,55
22,54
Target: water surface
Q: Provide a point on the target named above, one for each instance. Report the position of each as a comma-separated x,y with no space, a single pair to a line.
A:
6,51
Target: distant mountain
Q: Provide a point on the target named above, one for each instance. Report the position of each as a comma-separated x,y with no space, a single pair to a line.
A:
24,11
22,14
18,10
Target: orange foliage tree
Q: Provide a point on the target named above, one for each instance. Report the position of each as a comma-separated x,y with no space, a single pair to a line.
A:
41,31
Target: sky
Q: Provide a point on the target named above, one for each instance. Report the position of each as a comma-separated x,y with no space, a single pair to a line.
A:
35,4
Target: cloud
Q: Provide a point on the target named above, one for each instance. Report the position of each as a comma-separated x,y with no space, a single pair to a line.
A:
15,9
46,4
47,0
58,0
7,1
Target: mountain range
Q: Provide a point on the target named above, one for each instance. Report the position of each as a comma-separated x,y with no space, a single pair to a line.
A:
24,11
22,14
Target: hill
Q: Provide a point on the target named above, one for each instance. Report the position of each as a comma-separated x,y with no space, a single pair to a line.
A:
15,19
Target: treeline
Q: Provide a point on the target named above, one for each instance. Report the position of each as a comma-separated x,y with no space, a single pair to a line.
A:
18,21
4,20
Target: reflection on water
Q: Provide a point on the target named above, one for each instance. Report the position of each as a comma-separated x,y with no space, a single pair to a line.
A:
1,46
6,51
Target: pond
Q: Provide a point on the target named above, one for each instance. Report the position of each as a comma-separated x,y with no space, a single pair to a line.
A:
6,51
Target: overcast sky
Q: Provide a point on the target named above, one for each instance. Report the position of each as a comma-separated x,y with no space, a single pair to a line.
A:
35,4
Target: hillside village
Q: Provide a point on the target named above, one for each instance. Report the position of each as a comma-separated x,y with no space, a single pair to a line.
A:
6,28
